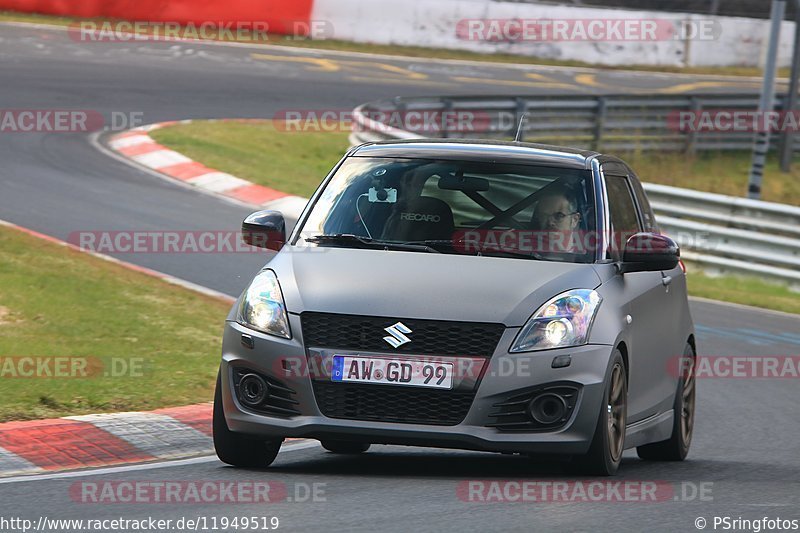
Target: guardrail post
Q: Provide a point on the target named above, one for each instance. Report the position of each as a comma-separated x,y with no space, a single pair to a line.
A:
691,137
599,122
790,103
448,108
401,107
767,101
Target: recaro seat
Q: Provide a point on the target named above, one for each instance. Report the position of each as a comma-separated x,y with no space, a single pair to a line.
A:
419,219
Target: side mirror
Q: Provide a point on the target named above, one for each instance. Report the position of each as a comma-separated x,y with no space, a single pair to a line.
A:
264,229
650,252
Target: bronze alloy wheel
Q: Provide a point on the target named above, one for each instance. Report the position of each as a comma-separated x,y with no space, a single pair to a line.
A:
617,411
687,412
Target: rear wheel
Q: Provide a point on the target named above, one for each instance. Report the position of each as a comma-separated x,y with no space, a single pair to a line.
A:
676,448
605,453
238,449
344,446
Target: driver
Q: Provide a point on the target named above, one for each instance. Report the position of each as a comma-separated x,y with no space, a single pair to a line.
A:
556,217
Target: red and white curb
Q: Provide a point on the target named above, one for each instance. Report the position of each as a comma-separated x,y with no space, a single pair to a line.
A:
37,446
137,146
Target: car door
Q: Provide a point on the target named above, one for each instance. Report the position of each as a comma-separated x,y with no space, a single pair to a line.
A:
672,303
645,297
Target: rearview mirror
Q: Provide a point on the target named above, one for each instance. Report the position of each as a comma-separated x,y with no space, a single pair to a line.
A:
650,252
463,183
264,229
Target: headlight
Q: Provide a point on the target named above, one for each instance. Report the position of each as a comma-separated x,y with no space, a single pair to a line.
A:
563,321
262,306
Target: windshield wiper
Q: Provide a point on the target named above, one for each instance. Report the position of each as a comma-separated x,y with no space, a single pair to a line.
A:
368,242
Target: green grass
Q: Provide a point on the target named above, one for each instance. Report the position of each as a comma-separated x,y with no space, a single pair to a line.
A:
743,290
56,302
293,162
719,172
434,53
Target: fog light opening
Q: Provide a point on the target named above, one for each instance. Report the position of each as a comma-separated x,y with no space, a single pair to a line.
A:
253,390
548,408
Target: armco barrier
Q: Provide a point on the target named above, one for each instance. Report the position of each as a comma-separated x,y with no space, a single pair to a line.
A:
280,15
613,123
721,233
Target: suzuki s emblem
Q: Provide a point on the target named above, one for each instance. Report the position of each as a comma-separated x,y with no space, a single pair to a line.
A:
397,335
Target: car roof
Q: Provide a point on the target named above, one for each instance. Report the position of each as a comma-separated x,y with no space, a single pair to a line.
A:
480,150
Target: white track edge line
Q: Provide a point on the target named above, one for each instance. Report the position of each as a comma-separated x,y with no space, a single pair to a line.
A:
300,445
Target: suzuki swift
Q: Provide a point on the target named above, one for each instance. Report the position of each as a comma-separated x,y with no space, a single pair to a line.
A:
496,296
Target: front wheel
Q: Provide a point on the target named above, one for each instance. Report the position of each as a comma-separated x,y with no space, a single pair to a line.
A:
605,453
238,449
676,448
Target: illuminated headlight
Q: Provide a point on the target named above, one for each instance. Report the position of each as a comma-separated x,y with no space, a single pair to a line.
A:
562,322
262,306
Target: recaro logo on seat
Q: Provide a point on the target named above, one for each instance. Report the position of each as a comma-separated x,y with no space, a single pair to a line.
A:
397,334
419,217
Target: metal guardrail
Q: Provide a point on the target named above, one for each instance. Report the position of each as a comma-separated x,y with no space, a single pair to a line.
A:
723,234
731,235
609,122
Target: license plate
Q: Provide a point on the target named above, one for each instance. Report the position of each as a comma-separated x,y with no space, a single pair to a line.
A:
386,371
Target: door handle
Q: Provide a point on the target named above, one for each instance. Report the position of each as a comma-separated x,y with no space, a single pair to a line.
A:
666,280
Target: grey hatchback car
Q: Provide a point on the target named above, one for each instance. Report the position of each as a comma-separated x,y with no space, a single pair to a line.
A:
496,296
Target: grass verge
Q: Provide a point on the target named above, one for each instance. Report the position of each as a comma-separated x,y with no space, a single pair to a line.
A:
297,162
720,172
743,290
429,53
138,342
291,162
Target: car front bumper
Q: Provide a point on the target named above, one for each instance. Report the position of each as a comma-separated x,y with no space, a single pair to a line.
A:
503,376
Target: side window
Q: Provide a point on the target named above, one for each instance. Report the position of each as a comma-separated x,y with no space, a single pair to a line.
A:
624,219
648,217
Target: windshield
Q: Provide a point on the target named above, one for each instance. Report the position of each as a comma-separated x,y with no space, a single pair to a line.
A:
464,207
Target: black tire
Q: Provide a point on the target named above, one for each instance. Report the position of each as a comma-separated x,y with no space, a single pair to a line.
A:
676,448
603,458
238,449
344,446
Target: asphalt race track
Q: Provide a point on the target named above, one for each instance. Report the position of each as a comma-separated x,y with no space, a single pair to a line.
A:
747,434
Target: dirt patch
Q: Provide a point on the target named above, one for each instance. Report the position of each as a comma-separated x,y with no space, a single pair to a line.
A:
6,317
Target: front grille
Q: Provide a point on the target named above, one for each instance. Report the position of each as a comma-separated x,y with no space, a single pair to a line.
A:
428,337
409,405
